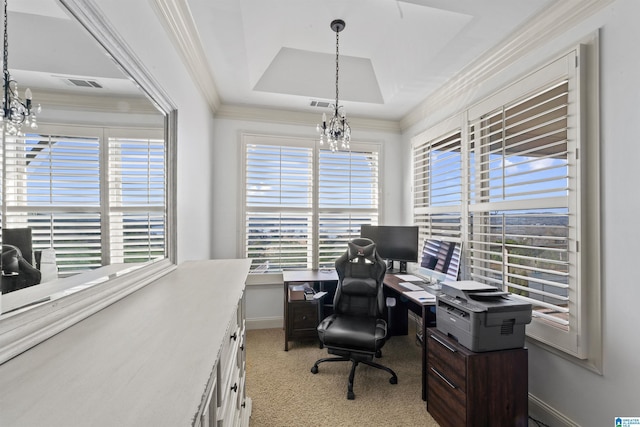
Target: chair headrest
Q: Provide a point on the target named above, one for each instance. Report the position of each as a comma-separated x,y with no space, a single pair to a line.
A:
367,252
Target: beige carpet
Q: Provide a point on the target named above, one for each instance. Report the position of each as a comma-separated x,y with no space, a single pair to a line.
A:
284,392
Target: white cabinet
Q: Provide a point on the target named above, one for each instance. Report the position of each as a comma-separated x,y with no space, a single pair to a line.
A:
170,354
233,405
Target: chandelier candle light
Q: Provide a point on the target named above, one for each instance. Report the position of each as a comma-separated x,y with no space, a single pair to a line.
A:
16,111
337,130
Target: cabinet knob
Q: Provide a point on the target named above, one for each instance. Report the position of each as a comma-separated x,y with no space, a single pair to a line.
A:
234,336
242,347
304,317
235,387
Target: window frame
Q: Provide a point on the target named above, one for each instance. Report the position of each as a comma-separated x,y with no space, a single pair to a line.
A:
315,210
20,211
584,344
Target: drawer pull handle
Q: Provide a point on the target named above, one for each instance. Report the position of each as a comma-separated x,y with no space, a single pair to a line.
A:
235,387
234,336
444,344
242,347
443,378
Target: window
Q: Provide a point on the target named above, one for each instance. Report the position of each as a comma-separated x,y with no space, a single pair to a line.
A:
302,204
438,180
136,196
56,184
504,178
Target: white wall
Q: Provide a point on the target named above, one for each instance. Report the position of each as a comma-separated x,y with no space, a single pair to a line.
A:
578,394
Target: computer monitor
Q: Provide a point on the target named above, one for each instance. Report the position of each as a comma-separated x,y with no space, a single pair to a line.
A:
394,243
440,259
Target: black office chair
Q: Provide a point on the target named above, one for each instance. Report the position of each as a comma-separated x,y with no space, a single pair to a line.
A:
21,238
356,331
17,273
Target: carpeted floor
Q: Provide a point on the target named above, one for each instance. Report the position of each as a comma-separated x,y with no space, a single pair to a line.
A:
284,392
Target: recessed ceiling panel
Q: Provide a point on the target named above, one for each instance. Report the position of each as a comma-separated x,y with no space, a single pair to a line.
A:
312,74
280,53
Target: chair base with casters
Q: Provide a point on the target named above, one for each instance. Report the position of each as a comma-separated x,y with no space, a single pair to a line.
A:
355,360
336,330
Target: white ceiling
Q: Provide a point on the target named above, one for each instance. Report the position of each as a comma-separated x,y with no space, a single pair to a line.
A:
393,54
55,49
281,53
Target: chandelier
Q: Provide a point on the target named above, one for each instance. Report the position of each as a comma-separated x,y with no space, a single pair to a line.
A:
337,131
16,111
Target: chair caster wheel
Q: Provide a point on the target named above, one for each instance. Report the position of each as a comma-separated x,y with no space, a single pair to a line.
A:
378,354
393,380
314,370
350,395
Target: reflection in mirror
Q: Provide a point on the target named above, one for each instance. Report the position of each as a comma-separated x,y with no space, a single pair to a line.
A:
85,191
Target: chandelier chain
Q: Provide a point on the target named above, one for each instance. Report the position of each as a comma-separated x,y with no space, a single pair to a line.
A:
337,66
5,50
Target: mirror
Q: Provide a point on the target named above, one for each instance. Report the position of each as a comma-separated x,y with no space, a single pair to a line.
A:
92,182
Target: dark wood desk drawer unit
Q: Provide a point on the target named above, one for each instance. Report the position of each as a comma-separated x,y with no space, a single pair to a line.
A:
303,320
301,316
475,389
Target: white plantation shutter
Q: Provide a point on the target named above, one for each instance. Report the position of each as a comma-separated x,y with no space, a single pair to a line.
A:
524,199
504,178
348,197
278,205
303,204
438,180
53,186
57,185
136,198
519,213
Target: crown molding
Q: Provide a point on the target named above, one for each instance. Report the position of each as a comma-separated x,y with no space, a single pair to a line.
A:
555,19
551,22
273,115
177,19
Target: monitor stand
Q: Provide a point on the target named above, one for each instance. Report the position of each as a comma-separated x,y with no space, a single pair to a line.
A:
391,270
403,267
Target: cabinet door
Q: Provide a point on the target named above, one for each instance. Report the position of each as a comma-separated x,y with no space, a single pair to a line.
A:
208,418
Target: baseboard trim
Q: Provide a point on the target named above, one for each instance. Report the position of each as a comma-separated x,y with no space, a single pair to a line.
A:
548,414
264,323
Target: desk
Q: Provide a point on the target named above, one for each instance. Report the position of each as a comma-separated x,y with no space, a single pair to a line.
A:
301,318
399,318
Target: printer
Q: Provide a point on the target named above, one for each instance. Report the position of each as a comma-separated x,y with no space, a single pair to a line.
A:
481,317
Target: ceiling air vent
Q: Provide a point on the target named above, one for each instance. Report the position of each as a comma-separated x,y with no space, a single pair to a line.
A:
320,104
85,83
